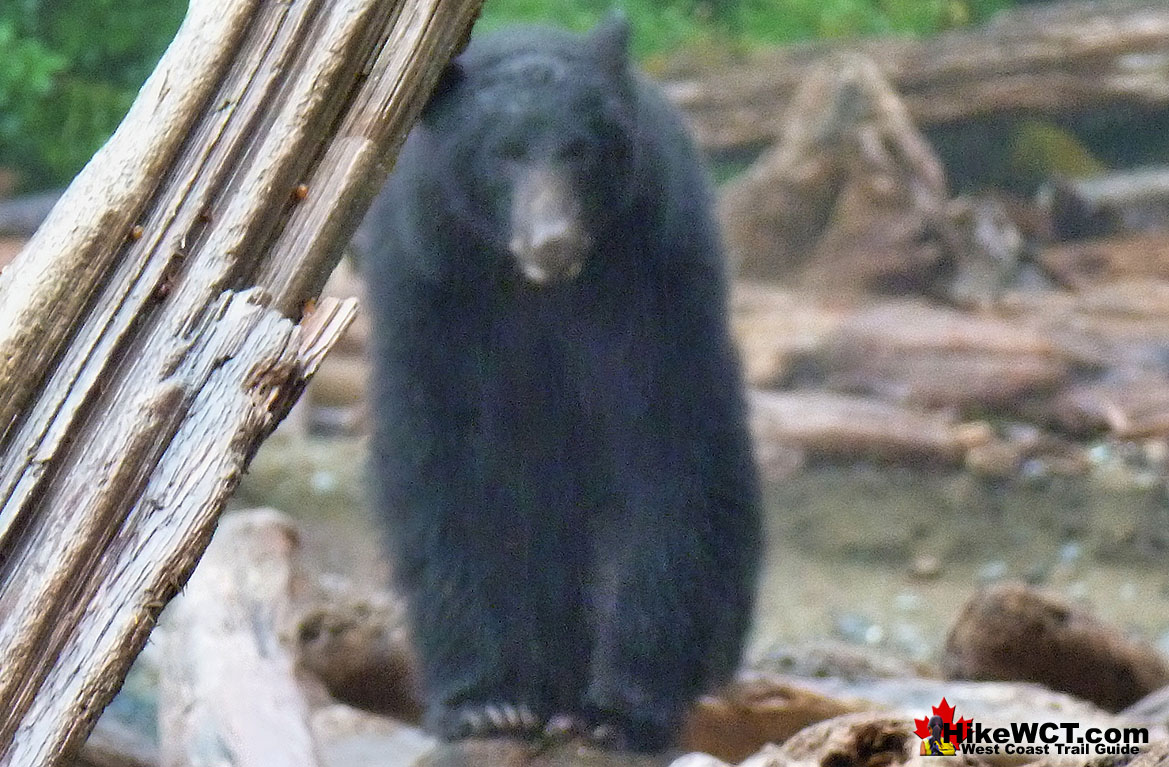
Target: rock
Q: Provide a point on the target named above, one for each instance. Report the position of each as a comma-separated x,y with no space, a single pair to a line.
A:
1013,632
857,740
1155,755
698,760
360,650
752,711
925,567
352,738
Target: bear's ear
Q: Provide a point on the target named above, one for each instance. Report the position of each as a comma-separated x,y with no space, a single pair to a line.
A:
609,41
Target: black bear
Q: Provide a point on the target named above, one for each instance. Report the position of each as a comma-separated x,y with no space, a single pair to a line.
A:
559,447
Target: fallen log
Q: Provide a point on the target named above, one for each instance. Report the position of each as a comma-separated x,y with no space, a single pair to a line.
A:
827,424
1048,60
849,200
1118,202
228,691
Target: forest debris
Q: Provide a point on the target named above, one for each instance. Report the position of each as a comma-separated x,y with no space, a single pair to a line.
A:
989,702
1155,755
916,354
854,740
985,248
1013,632
899,327
775,327
753,710
972,382
1035,58
847,201
1121,202
1118,327
829,424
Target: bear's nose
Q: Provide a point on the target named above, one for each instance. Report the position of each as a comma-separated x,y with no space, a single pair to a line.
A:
548,239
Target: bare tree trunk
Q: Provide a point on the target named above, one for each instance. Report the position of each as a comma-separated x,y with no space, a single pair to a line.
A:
148,332
1053,59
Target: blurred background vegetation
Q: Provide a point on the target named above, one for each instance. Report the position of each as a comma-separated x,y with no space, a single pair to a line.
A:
70,68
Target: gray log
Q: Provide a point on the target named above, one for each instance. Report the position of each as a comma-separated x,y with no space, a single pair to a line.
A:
1050,59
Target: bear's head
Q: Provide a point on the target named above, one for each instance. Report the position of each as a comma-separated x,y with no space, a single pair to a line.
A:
532,134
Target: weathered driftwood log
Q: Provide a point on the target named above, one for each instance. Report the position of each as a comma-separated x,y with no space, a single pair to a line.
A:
828,424
849,200
228,691
147,332
1013,632
853,200
927,356
1112,325
775,328
1084,263
231,687
1120,202
1040,59
353,738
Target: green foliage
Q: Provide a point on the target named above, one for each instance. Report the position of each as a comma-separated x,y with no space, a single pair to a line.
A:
665,25
1040,149
69,69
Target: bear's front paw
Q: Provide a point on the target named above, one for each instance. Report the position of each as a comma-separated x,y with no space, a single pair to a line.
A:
487,720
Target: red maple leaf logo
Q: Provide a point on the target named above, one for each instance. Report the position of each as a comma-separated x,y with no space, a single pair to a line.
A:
946,712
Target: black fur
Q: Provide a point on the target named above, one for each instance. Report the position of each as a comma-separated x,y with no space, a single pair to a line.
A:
564,469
